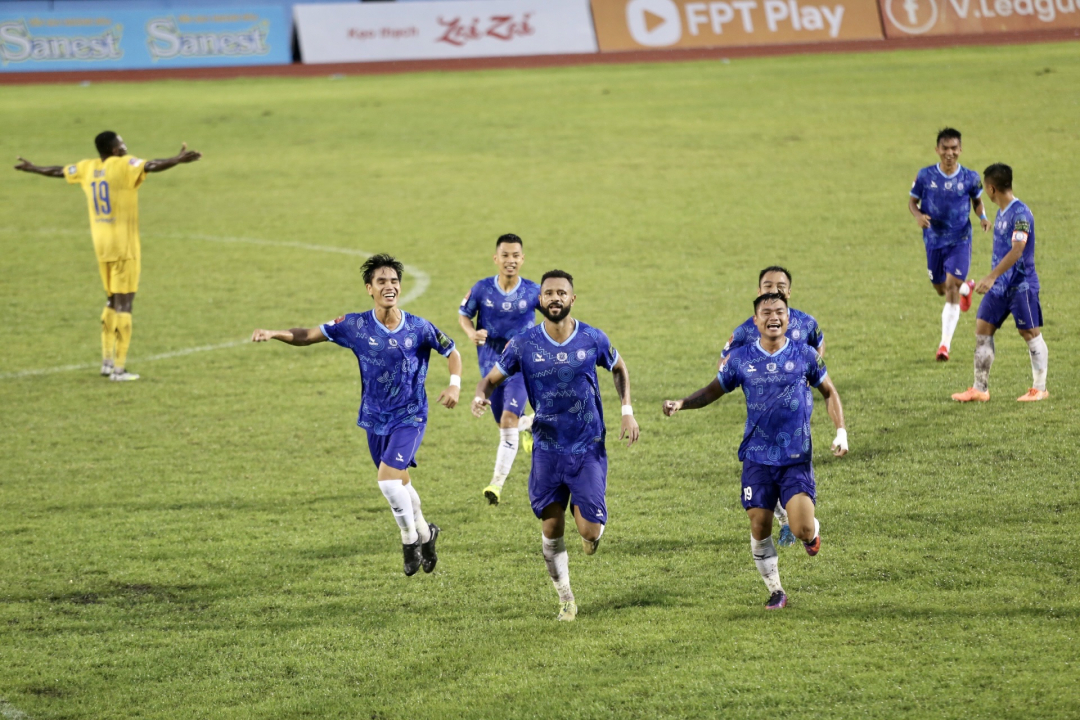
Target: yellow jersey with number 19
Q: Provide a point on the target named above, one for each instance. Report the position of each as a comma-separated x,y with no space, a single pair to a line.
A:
111,186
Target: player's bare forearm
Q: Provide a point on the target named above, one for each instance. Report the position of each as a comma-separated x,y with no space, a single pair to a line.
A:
980,210
484,388
56,171
296,336
184,156
1006,262
475,337
916,212
832,403
705,396
454,362
621,375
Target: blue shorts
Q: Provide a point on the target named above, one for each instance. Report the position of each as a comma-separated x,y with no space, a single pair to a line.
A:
949,260
1023,305
763,485
398,449
570,480
510,397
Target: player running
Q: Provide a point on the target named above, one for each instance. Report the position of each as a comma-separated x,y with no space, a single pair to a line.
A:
503,305
802,328
393,348
111,184
1011,288
558,359
776,375
941,200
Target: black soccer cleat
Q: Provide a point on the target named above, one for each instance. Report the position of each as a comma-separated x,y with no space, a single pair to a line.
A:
412,557
427,550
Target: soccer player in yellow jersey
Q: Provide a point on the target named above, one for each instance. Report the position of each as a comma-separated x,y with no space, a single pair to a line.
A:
111,184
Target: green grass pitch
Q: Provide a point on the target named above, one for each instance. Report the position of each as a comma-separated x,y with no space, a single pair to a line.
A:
209,542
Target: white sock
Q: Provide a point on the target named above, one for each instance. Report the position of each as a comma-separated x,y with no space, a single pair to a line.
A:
1039,359
764,552
504,459
817,530
401,505
558,565
422,528
780,513
950,315
984,358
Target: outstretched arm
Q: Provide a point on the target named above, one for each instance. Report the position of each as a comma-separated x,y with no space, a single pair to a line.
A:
296,336
56,171
484,388
705,396
184,156
836,414
448,398
629,430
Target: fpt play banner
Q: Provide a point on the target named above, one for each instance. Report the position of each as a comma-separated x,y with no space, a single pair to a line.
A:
905,18
444,29
667,24
132,39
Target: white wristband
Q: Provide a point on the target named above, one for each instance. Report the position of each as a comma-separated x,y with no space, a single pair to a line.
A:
455,381
841,439
627,410
478,399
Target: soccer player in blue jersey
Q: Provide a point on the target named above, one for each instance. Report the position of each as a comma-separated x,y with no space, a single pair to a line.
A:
941,200
558,359
392,347
802,328
1011,288
776,375
503,305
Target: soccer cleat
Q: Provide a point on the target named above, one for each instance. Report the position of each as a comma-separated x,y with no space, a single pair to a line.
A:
943,354
122,375
1033,395
106,369
965,300
589,546
492,493
777,600
812,548
428,557
971,394
567,611
412,557
525,439
787,538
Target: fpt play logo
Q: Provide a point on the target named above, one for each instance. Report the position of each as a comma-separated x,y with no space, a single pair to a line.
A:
654,23
912,16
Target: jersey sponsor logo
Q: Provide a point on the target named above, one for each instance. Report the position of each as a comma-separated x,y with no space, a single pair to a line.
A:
960,187
581,354
796,334
410,341
522,304
789,366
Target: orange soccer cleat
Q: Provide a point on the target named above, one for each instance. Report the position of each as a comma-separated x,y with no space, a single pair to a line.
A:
943,354
1033,395
965,300
971,394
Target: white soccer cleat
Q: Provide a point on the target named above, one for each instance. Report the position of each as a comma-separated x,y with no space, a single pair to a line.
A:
122,375
567,611
106,369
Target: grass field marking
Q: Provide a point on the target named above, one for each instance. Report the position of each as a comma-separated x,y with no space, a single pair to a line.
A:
421,282
10,712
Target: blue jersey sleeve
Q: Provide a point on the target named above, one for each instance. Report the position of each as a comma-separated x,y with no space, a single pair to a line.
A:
918,188
729,376
814,336
1021,226
975,186
336,331
509,362
815,367
470,305
606,355
436,340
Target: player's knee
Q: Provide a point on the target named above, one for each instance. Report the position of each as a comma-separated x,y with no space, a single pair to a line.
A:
803,530
590,532
761,527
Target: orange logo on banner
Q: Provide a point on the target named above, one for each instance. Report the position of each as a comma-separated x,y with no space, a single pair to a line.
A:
904,18
647,24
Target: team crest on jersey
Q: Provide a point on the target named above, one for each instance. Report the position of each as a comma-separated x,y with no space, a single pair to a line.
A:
581,354
561,357
771,367
789,366
507,305
948,185
72,170
392,342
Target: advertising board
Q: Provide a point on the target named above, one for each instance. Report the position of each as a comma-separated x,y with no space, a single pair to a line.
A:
203,36
668,24
907,18
366,32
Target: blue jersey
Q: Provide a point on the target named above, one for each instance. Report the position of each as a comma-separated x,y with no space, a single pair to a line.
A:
802,328
778,400
502,314
393,366
1015,224
947,200
560,379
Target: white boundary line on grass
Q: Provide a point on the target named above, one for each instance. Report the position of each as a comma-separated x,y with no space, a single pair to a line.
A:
420,285
10,712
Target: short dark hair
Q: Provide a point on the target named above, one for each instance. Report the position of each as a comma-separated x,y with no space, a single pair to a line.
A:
948,134
766,297
105,142
509,239
550,274
773,268
381,260
999,175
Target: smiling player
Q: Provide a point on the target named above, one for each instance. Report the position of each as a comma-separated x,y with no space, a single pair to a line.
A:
392,347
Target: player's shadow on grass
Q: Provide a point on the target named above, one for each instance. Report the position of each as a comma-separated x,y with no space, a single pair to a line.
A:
639,597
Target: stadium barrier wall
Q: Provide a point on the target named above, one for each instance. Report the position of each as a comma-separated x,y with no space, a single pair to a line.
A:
443,30
667,24
907,18
98,39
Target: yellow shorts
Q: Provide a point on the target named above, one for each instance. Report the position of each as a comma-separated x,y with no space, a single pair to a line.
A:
120,276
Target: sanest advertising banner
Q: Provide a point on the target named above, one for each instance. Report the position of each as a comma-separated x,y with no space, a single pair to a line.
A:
904,18
666,24
132,39
445,29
